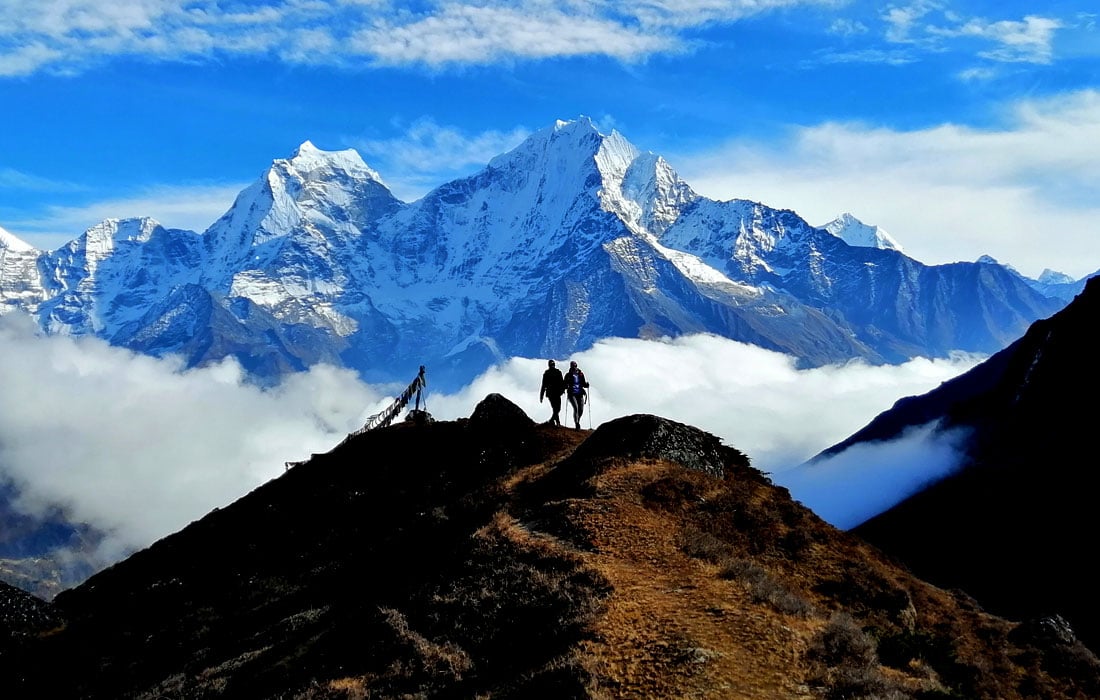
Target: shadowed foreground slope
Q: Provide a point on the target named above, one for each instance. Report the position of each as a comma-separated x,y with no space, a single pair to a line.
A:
1016,525
491,557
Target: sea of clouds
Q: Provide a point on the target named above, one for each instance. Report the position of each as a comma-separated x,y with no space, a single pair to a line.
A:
138,447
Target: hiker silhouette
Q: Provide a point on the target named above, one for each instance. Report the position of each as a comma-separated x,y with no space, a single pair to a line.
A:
575,389
553,386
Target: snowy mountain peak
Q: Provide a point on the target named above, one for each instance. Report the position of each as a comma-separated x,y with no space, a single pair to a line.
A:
565,146
581,125
616,154
652,184
9,241
314,193
311,162
1049,276
856,233
100,240
136,229
641,188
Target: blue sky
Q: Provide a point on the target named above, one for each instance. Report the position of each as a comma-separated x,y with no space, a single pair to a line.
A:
962,128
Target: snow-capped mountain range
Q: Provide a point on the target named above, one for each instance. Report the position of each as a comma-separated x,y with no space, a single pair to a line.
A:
571,237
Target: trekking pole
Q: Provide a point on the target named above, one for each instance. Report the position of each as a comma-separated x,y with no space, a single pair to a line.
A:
588,400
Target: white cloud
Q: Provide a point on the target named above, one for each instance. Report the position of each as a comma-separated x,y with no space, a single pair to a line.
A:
1025,192
16,180
139,448
28,58
977,74
753,398
190,207
901,20
847,27
1027,41
474,34
875,476
659,14
68,35
428,154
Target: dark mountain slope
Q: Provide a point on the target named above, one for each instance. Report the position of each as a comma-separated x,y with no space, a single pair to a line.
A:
1016,525
491,557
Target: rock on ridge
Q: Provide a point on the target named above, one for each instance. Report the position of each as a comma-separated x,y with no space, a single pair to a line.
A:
647,436
498,414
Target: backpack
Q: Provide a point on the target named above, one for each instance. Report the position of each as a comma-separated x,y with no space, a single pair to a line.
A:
577,383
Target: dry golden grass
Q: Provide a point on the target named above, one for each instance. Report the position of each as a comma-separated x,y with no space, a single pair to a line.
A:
681,626
672,627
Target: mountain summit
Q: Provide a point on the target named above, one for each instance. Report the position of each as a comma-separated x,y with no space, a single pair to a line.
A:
854,232
571,237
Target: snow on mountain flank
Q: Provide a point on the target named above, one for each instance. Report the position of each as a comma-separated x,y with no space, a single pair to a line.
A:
9,241
571,237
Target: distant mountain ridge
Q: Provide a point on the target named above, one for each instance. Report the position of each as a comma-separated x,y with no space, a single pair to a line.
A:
571,237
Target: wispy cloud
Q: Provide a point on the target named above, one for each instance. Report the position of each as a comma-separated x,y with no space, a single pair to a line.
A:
69,35
12,179
191,207
1027,41
883,56
929,26
946,193
150,447
904,34
847,27
976,73
694,13
474,34
427,154
875,475
902,21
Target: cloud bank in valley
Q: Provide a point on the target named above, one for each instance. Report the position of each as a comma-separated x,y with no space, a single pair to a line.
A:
138,447
850,487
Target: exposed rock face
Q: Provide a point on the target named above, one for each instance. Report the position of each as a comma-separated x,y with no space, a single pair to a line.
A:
653,437
1046,631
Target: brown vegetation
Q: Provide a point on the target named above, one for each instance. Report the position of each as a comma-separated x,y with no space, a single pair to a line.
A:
496,558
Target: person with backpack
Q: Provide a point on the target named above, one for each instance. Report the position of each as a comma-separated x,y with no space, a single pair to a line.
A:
553,386
575,385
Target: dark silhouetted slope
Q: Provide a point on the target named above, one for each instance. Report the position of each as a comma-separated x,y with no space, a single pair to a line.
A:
492,557
1015,527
